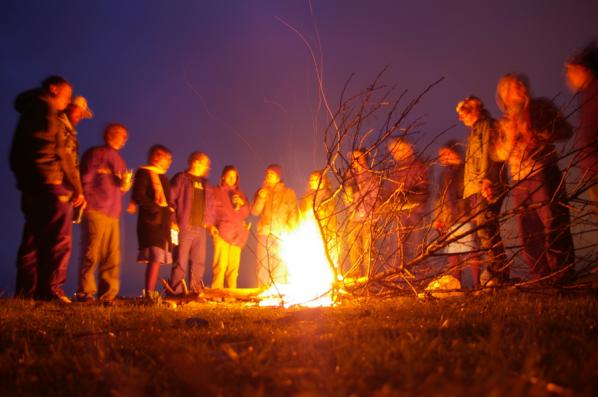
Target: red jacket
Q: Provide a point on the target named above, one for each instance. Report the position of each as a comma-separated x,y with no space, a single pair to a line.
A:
229,221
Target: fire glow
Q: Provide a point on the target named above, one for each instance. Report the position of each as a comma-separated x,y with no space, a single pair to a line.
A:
310,277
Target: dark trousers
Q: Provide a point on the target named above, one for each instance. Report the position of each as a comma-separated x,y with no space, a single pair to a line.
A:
191,250
488,233
45,249
544,222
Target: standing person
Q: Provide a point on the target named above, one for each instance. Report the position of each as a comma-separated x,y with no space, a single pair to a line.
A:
485,180
528,129
230,208
105,180
409,194
318,203
582,77
276,205
190,196
453,213
151,190
37,158
76,111
361,189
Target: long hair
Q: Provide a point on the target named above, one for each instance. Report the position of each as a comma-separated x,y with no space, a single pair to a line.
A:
504,85
225,170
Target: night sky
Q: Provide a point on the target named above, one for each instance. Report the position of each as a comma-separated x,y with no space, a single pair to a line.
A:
231,79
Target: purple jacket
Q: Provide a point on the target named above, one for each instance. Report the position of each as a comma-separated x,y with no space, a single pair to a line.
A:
229,221
101,171
181,195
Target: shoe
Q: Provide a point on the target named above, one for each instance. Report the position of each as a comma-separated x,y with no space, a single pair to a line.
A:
84,298
108,302
62,299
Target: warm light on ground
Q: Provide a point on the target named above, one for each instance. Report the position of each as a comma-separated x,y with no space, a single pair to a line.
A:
310,276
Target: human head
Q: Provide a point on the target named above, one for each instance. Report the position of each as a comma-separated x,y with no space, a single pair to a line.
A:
400,148
317,181
58,91
582,67
512,93
78,110
470,110
115,135
198,164
359,159
230,176
160,156
450,153
273,174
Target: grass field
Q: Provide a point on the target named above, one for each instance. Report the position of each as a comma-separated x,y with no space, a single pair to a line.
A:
508,343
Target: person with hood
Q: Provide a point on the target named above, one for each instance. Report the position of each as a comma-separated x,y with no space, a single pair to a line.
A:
229,208
276,205
151,193
528,129
453,213
105,179
581,71
39,163
190,195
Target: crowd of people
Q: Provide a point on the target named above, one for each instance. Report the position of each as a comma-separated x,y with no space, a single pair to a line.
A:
513,155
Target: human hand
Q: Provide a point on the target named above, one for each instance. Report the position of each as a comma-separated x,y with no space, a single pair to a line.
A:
486,191
238,201
79,201
262,193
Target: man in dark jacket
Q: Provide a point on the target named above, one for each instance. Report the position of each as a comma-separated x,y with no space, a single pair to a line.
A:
189,193
38,160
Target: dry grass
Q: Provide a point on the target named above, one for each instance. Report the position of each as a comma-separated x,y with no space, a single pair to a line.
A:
510,343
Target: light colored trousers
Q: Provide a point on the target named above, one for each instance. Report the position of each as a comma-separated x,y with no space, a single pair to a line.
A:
227,258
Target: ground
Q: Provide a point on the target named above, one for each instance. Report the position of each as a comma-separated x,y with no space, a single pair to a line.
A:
507,343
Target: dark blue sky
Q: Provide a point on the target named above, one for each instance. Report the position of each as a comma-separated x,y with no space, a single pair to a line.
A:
228,78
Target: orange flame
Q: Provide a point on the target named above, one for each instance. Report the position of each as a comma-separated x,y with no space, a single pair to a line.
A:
310,276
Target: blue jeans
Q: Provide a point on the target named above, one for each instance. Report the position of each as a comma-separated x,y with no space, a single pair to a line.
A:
191,249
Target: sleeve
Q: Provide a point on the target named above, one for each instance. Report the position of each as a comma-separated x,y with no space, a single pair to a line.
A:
88,168
142,192
258,204
68,160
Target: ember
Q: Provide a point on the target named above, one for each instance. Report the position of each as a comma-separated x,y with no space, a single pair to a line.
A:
310,276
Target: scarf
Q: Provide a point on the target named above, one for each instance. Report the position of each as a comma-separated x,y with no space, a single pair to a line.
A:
155,173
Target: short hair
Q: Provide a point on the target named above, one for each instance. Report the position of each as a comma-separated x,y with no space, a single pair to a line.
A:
470,101
157,150
111,129
196,156
586,57
324,181
54,81
454,146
